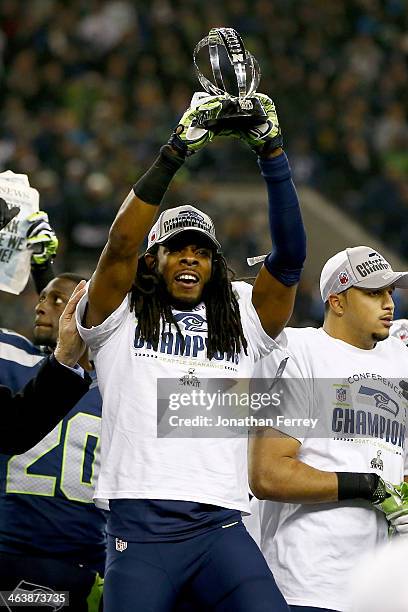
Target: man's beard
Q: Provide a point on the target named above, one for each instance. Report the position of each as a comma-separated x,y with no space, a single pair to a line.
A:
180,304
380,337
184,304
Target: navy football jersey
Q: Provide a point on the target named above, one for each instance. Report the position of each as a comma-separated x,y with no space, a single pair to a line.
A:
46,493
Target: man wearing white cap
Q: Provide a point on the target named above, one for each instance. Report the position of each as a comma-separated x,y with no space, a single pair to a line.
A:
175,504
343,440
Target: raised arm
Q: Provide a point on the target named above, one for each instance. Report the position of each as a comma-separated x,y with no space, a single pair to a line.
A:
275,287
43,243
117,265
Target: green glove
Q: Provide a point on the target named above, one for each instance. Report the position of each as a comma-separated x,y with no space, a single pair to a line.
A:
395,508
386,497
191,135
399,518
41,239
266,137
397,504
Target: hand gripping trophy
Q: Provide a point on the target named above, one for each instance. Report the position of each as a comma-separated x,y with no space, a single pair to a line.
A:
245,113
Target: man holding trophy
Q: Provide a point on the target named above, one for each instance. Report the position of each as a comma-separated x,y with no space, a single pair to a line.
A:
175,528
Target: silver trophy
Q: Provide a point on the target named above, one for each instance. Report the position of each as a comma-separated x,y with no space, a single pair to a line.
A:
241,109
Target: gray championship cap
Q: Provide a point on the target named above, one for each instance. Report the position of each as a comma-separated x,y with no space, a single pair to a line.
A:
360,267
180,219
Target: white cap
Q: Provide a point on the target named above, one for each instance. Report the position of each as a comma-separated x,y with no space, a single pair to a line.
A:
399,329
180,219
360,267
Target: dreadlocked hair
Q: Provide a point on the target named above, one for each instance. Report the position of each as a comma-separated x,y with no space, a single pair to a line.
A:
149,300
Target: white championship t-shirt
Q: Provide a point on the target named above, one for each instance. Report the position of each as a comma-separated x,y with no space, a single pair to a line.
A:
313,549
135,463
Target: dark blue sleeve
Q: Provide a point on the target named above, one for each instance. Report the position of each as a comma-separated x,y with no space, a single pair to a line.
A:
285,262
27,416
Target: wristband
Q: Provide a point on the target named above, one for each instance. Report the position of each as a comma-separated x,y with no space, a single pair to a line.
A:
152,186
353,485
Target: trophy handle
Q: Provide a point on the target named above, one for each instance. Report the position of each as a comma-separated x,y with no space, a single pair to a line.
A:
206,83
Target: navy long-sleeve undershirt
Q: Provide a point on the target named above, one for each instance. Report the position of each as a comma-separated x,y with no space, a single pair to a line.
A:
285,262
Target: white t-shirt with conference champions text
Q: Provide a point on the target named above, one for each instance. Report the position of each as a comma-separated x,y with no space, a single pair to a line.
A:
135,463
313,549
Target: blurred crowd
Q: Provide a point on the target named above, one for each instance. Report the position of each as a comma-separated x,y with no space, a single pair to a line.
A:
92,88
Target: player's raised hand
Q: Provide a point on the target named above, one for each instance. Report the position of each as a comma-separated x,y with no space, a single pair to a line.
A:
191,134
41,239
7,213
267,136
70,346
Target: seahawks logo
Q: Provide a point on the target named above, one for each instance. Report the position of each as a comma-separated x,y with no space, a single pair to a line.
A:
191,215
191,321
381,399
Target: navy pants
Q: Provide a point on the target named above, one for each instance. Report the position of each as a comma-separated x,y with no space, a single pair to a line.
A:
220,571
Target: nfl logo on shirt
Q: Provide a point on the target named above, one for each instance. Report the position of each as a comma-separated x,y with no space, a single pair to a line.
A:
341,395
121,545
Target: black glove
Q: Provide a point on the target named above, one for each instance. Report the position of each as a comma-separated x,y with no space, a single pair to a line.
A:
354,485
6,213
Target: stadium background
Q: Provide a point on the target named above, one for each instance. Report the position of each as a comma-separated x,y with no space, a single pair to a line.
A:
92,88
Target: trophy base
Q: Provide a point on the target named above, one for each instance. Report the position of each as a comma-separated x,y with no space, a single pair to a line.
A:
240,122
234,117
